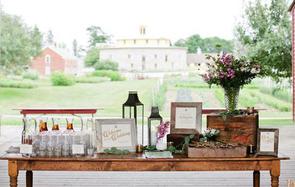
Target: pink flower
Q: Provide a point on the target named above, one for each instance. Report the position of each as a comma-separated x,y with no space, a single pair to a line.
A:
162,129
230,73
226,59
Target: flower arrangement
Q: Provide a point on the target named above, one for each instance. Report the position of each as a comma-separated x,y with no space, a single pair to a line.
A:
231,74
210,134
162,130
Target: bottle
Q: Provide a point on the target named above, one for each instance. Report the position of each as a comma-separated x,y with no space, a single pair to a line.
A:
70,127
43,126
55,127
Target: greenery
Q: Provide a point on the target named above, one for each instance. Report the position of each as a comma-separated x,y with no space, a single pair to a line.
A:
6,83
279,93
92,56
60,79
116,151
30,75
91,79
96,35
106,65
265,35
19,43
207,45
230,72
160,96
113,75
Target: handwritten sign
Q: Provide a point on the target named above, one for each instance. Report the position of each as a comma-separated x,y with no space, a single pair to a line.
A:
267,141
185,118
119,133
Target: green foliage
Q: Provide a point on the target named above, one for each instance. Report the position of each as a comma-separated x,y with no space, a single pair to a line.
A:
60,79
18,43
92,56
6,83
160,96
113,75
106,65
207,45
266,36
150,148
96,35
282,94
116,151
90,79
30,75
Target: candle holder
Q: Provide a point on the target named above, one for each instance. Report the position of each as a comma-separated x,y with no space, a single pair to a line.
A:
155,116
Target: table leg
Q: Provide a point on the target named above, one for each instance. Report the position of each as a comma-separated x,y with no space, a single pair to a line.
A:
256,178
275,173
13,173
29,178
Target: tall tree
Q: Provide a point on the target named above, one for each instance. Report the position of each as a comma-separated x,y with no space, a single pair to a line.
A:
96,35
207,45
18,43
265,35
75,47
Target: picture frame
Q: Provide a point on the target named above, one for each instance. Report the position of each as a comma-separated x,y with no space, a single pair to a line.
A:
186,117
267,141
119,133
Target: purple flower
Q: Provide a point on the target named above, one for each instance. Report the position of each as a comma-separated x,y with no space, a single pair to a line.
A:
162,129
221,75
230,73
226,59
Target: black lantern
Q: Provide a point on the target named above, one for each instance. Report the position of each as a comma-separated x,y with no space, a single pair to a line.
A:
155,116
133,103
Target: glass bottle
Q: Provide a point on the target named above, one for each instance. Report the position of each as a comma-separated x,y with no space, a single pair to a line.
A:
43,126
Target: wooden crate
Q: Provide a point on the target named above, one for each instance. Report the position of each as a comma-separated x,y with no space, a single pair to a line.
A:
194,152
238,129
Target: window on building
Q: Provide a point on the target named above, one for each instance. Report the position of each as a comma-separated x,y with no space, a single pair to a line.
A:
124,41
47,59
131,65
156,56
134,41
143,66
166,58
146,41
143,59
129,56
156,66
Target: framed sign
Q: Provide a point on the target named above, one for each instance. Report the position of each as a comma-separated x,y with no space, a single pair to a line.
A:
268,142
186,117
119,133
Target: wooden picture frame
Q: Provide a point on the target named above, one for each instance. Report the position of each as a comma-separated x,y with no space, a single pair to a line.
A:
186,117
267,141
119,133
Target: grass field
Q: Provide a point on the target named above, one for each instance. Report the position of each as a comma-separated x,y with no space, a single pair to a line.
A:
109,96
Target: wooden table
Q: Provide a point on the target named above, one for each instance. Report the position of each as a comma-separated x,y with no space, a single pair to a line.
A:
136,162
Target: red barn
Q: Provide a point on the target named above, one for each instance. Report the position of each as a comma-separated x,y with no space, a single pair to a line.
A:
52,59
292,10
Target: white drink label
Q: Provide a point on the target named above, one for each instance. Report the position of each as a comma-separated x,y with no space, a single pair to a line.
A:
26,149
78,149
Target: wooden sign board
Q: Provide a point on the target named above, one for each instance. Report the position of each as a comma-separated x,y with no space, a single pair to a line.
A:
267,141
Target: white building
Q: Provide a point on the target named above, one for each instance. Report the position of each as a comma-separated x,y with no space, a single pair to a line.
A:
145,54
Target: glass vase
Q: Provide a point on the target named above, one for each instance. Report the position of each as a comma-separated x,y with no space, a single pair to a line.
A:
231,98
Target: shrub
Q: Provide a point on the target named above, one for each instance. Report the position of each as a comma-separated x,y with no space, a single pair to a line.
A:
16,84
113,75
60,79
91,79
106,65
282,94
31,75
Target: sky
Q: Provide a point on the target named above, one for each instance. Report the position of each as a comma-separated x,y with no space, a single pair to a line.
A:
173,19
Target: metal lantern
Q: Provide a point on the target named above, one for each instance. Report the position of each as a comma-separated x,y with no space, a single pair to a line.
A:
155,116
131,106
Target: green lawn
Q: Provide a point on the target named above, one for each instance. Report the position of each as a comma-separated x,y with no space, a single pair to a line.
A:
107,95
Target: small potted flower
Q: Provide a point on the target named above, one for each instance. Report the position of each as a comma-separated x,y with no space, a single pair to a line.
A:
161,135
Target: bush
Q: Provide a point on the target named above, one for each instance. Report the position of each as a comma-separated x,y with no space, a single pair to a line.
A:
31,75
106,65
60,79
282,94
113,75
91,79
16,84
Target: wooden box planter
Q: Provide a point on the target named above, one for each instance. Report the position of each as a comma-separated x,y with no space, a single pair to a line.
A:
206,152
237,129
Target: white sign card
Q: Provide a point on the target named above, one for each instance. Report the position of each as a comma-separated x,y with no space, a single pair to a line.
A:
78,149
267,141
119,133
185,118
26,149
